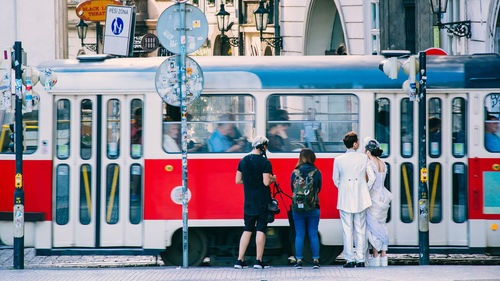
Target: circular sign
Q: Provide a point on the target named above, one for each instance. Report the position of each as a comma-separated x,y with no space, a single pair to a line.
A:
167,81
168,29
176,195
149,42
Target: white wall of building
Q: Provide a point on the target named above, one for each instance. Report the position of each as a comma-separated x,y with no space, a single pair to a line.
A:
36,28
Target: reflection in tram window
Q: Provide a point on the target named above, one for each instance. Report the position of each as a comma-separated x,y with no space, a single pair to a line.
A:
135,193
406,128
86,129
215,124
458,130
315,121
387,184
492,123
434,126
435,191
112,193
113,129
62,194
459,192
30,122
63,132
136,112
406,192
85,194
383,125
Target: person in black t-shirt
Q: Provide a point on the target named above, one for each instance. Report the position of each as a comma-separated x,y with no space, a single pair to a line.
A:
255,173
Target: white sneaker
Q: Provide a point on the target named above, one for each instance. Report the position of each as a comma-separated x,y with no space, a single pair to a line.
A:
375,261
384,261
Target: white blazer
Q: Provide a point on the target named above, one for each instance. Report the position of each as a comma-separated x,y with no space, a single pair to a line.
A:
349,175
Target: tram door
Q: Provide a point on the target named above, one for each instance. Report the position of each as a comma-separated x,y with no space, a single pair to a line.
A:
98,168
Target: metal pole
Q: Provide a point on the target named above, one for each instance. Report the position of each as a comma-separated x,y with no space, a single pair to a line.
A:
240,34
18,192
222,42
423,207
97,36
182,77
277,46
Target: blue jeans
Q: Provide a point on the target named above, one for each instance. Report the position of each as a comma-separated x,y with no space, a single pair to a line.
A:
311,221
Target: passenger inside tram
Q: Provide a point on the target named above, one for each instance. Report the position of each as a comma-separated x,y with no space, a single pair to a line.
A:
311,131
226,137
491,138
171,139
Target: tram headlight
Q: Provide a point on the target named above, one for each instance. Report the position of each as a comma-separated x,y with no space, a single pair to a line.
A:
390,67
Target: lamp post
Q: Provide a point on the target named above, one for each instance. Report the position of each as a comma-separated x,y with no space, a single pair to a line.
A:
261,18
223,25
458,28
82,29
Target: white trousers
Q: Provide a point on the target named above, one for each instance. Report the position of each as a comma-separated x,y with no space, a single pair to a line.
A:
354,228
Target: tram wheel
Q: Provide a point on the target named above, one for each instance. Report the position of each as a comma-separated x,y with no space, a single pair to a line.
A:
197,248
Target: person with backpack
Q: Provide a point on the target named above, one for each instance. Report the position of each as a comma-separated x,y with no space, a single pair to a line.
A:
306,184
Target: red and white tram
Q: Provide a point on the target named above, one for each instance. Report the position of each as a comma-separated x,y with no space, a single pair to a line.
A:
102,160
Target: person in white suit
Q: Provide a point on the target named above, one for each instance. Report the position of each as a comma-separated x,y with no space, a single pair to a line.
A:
353,177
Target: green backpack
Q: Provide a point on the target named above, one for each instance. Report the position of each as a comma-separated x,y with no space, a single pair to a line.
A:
304,195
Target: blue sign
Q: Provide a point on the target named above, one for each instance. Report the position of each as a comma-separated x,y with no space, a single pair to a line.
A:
117,26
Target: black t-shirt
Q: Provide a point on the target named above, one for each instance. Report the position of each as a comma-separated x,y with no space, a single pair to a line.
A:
257,195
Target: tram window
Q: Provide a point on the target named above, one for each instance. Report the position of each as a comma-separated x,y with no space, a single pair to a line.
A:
492,123
435,191
458,130
215,123
136,113
315,121
112,193
86,129
459,192
63,133
383,125
30,123
387,184
113,126
434,126
406,128
85,194
406,193
62,194
135,194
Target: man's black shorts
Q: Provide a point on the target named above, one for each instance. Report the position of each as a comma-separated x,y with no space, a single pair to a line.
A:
257,222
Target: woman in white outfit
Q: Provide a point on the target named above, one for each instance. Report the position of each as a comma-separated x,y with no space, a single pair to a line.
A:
376,216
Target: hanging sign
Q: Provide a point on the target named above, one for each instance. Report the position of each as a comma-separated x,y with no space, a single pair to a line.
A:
94,10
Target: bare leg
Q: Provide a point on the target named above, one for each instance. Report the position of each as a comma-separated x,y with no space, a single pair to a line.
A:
375,252
244,240
260,242
384,253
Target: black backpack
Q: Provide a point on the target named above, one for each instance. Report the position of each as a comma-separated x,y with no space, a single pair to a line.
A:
304,195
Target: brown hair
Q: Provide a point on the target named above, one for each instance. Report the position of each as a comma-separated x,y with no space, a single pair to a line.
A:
306,156
350,138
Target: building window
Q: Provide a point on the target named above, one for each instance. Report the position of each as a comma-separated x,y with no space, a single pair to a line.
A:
375,27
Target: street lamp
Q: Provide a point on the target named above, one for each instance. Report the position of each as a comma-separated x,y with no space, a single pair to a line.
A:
82,29
223,25
261,17
459,28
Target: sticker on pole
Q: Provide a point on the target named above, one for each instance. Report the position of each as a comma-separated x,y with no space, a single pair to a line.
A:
168,29
167,81
176,195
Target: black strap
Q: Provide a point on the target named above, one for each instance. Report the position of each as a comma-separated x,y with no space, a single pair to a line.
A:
277,190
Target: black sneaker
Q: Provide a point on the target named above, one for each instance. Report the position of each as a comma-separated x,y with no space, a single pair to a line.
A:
260,265
298,265
360,264
350,264
239,264
315,264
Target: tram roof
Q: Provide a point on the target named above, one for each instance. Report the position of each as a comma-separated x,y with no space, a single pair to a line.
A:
283,72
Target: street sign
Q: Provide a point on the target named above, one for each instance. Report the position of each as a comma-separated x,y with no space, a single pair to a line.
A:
119,30
196,29
94,10
167,81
